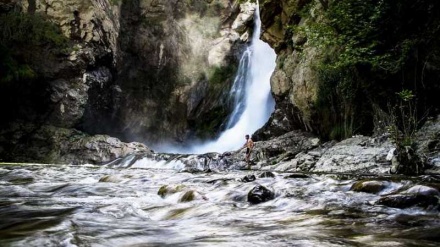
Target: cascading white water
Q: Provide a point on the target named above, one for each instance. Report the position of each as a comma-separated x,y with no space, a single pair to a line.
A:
250,95
253,102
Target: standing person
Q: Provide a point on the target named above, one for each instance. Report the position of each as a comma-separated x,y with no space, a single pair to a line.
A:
249,146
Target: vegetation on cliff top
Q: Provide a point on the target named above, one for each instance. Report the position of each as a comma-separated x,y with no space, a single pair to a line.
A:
372,49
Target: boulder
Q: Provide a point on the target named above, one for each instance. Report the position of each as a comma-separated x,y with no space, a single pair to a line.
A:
267,174
248,178
165,190
260,194
406,201
416,196
188,196
369,186
422,190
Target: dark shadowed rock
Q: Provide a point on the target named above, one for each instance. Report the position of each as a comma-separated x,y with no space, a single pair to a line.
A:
406,201
297,175
260,194
419,196
248,178
266,174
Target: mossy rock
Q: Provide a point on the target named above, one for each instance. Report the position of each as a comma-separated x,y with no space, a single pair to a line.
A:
188,196
372,187
165,190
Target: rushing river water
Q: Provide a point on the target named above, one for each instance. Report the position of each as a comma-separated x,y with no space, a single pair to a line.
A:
49,205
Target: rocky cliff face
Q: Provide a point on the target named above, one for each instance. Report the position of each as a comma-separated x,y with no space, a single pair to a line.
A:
175,65
341,63
139,70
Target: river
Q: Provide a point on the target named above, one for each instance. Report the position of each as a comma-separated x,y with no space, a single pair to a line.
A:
62,205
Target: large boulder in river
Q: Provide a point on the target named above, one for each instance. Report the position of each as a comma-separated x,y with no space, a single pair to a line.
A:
248,178
260,194
369,186
419,195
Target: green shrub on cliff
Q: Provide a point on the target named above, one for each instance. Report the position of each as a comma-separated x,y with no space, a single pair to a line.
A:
29,30
21,36
370,49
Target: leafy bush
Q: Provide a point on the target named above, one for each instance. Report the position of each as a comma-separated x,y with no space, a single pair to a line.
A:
221,74
21,36
403,127
29,30
370,49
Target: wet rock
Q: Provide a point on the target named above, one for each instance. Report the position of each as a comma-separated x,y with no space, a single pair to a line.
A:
248,178
260,194
369,186
188,196
111,179
297,175
168,190
417,196
266,174
406,201
423,190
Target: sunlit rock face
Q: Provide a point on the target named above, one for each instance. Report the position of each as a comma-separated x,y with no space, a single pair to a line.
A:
294,82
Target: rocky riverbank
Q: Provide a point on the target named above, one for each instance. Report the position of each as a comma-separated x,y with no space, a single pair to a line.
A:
299,151
295,151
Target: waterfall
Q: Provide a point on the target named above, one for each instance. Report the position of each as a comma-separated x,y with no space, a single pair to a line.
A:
250,93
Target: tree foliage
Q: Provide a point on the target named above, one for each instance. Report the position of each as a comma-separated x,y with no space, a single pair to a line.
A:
372,48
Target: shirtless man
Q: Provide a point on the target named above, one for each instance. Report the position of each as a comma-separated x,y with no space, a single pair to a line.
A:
249,146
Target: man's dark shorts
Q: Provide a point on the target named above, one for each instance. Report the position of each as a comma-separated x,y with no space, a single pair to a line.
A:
248,150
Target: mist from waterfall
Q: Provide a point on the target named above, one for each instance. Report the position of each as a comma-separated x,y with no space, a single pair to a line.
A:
250,95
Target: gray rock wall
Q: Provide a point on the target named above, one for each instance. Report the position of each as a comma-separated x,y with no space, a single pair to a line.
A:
140,70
